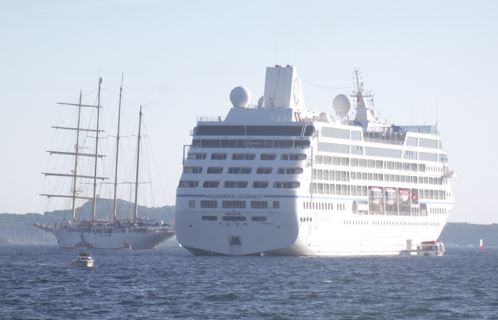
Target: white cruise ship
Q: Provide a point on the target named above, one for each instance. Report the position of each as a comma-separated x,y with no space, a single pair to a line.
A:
278,178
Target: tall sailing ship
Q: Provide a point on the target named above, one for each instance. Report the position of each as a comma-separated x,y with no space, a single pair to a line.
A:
115,233
278,178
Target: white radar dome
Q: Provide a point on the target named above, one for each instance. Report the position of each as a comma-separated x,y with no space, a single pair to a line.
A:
240,97
342,105
261,102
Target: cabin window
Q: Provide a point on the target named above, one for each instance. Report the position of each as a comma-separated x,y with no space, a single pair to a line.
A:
287,185
215,170
260,184
293,156
312,188
237,170
218,156
196,156
267,156
243,156
259,204
192,170
261,143
188,184
210,184
209,204
264,170
295,171
235,184
371,163
233,204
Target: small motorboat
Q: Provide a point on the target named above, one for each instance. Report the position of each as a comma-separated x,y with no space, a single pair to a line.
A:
126,245
430,248
83,260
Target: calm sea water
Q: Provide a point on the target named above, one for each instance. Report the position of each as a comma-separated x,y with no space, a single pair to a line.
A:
37,282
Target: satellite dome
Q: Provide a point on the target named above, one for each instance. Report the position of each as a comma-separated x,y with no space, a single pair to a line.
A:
342,105
240,97
261,102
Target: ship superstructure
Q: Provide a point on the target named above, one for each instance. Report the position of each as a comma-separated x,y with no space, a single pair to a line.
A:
281,179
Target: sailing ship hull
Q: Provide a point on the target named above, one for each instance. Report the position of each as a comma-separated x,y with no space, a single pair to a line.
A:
112,240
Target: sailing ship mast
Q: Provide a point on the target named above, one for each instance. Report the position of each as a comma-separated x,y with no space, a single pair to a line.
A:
76,149
74,175
138,164
115,213
94,208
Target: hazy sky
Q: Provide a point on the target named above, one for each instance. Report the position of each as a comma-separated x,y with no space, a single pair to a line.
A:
426,61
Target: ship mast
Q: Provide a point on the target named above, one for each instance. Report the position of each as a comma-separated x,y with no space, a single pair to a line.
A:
138,163
115,213
94,209
77,154
76,150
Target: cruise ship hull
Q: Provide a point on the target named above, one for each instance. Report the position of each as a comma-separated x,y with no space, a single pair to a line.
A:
329,233
236,238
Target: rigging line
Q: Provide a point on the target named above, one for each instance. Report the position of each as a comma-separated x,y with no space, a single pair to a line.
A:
380,114
157,169
131,103
325,87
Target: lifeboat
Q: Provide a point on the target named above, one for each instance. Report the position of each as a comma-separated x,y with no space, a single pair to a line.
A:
431,249
404,195
390,194
375,194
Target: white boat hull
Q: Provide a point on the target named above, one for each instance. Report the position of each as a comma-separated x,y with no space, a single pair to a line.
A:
137,240
284,233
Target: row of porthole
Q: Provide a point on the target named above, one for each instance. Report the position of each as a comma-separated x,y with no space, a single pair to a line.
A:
233,218
240,184
247,156
392,223
396,223
242,170
438,210
323,206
